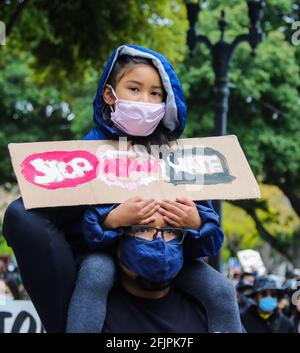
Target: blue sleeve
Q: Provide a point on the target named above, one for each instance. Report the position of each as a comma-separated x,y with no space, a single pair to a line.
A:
94,235
209,238
95,134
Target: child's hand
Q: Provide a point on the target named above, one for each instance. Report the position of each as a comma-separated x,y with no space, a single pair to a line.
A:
181,213
132,211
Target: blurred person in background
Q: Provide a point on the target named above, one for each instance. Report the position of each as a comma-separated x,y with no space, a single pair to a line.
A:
234,277
10,285
14,277
12,281
4,260
291,280
5,292
243,289
284,304
248,278
296,314
263,316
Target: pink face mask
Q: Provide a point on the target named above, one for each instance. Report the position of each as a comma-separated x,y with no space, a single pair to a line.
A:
136,118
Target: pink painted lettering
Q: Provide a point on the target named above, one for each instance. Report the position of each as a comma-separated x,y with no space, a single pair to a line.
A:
123,167
60,169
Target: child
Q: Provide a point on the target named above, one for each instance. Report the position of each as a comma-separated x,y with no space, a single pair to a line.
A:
139,96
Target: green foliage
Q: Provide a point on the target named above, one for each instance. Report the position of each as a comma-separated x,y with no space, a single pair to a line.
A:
66,37
264,99
278,218
5,198
264,113
240,229
274,212
28,113
4,248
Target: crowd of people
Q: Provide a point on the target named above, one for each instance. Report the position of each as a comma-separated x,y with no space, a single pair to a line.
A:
267,304
11,286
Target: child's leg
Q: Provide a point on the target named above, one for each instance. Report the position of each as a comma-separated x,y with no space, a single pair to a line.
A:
215,293
87,308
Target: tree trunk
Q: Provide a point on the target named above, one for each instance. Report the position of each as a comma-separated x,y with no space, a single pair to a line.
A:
14,17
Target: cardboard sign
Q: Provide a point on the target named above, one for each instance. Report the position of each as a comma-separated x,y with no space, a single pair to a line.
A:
66,173
251,261
19,316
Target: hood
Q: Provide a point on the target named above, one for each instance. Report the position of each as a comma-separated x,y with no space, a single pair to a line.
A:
175,117
265,283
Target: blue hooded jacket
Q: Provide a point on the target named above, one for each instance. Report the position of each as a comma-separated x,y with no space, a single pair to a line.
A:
205,241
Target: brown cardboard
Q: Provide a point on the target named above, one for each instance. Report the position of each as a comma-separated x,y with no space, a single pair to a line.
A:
84,172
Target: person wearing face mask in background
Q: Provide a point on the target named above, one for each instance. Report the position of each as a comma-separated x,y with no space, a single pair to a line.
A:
264,316
289,285
290,281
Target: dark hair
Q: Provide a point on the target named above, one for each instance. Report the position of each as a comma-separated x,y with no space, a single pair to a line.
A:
160,136
245,274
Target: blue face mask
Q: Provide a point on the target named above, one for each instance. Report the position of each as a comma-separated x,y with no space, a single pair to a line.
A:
291,284
268,304
156,262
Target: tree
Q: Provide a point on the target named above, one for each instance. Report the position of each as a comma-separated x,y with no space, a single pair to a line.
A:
264,105
274,222
74,35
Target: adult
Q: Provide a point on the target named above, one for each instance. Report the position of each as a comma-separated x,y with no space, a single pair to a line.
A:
264,315
139,302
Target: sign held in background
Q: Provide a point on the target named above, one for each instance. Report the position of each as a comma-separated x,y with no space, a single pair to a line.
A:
251,261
